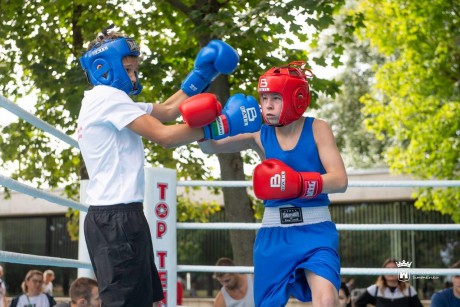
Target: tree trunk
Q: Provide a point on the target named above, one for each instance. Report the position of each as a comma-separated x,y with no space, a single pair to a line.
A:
238,208
238,205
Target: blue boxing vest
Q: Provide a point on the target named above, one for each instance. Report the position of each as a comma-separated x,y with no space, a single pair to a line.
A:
303,157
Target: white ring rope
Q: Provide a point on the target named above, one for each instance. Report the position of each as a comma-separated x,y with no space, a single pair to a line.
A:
343,271
351,183
351,227
34,192
32,119
42,260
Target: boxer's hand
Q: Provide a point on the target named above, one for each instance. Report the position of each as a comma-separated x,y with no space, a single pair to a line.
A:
275,180
200,110
241,114
216,57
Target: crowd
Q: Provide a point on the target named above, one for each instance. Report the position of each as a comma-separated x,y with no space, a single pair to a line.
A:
37,290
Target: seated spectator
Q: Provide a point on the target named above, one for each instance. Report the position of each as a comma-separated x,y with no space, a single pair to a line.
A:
48,278
389,291
33,295
237,289
344,296
3,301
83,292
450,296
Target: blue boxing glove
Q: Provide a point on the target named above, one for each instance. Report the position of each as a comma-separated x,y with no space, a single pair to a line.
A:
241,114
216,57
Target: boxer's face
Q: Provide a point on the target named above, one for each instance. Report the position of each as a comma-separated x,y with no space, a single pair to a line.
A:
271,107
131,65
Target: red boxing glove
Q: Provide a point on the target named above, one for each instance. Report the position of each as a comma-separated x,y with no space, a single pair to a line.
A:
200,110
275,180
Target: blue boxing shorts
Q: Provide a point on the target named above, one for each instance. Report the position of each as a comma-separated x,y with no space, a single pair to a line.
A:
291,241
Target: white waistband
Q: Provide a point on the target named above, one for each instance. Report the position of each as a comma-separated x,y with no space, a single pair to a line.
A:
289,216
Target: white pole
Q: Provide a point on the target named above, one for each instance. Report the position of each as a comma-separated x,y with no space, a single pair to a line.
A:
160,211
83,254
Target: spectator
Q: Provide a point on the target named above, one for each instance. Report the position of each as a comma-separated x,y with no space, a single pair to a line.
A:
344,296
32,292
192,291
389,291
180,292
3,302
449,297
84,292
237,289
48,278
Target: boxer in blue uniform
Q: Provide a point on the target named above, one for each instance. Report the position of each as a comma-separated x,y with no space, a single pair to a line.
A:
295,252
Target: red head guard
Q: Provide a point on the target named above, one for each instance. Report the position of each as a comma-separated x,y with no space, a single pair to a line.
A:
291,83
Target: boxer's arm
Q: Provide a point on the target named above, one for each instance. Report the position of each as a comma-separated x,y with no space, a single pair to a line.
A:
167,136
234,144
335,179
169,110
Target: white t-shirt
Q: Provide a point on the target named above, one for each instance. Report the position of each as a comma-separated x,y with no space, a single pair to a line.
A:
246,301
2,292
48,288
40,300
113,154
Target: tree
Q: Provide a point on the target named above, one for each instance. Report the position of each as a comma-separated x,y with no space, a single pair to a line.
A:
415,101
359,147
45,40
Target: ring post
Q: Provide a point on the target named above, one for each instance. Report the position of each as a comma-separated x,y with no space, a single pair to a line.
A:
160,211
83,254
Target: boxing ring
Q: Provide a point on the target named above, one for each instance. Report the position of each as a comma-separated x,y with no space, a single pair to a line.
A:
160,209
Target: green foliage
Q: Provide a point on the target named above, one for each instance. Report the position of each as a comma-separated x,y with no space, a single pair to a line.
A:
414,104
188,211
359,147
43,41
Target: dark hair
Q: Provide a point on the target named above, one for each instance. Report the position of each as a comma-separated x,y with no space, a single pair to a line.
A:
108,33
224,261
81,288
344,287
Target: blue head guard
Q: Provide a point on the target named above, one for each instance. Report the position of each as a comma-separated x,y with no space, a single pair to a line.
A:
103,64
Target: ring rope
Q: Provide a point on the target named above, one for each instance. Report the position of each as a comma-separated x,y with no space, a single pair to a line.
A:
343,271
42,260
32,119
34,192
71,263
351,183
345,227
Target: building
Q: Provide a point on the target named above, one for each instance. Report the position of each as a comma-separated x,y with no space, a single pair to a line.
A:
35,226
